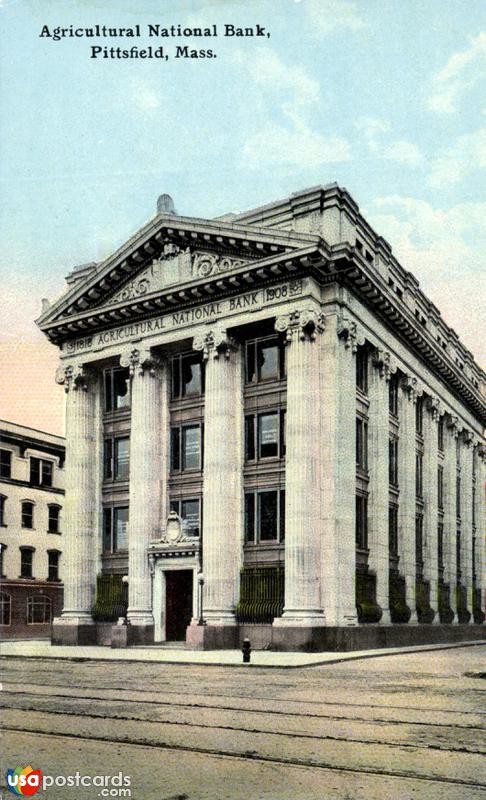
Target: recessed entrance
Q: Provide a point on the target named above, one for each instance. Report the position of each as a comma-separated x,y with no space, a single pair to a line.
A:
178,603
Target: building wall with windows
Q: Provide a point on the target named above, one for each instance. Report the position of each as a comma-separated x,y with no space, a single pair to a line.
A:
270,428
31,527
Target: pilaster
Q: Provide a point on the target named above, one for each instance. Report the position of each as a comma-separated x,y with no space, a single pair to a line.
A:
303,603
406,480
431,499
480,529
467,453
451,433
223,475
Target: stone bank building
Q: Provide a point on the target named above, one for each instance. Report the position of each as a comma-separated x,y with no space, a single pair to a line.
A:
271,432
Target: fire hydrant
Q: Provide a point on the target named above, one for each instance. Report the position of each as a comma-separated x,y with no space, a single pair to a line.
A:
246,650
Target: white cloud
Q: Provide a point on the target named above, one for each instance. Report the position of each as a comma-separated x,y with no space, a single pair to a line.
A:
374,130
144,97
462,71
298,146
403,152
267,70
463,157
445,250
326,16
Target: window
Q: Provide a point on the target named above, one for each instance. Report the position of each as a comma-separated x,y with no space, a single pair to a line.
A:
265,515
419,416
53,518
2,510
3,547
187,376
38,610
264,360
440,549
362,370
40,472
5,608
440,434
5,464
458,495
26,559
189,510
458,555
115,529
361,443
361,522
419,474
440,486
393,461
116,459
265,435
186,448
419,544
393,395
117,388
53,565
27,514
393,529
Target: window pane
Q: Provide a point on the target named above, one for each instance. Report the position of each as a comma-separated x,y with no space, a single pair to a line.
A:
5,463
283,434
250,517
191,375
190,517
5,605
53,566
175,449
122,462
267,515
176,377
191,447
2,510
26,563
107,530
250,438
108,391
121,388
250,362
53,521
268,434
46,473
267,359
282,515
120,528
35,471
108,459
27,515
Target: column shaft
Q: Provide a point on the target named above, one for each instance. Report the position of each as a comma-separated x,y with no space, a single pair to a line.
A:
431,564
466,516
407,501
450,516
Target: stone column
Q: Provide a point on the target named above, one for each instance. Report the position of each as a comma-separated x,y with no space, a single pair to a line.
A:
451,432
338,470
378,456
466,513
75,626
303,604
144,491
431,499
406,480
223,478
480,519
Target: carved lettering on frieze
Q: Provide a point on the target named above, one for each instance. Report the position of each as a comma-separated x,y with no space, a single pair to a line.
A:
206,264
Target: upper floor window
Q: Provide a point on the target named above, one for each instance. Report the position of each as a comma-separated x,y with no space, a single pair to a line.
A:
440,549
115,528
3,547
419,474
40,472
5,608
39,610
440,486
393,461
27,514
53,565
117,388
5,464
419,416
419,543
187,378
186,447
53,512
458,495
265,515
362,369
361,522
361,443
265,435
2,509
393,529
116,460
264,359
26,561
440,434
393,395
189,510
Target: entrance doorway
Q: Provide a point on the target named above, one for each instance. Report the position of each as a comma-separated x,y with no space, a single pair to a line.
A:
178,603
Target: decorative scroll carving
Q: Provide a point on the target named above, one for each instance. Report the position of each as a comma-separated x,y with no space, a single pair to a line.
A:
73,376
412,387
435,407
205,264
481,449
453,425
216,341
305,324
384,363
467,437
350,333
155,276
139,359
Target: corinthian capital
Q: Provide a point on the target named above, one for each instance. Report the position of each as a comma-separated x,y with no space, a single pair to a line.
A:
138,360
349,332
435,407
384,363
302,324
73,376
214,341
412,387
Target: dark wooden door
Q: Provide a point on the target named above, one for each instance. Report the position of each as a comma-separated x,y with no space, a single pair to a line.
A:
178,604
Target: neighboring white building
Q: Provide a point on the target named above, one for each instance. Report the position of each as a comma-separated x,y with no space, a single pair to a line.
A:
31,500
271,432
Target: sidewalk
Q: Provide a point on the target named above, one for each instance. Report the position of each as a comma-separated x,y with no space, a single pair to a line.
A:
176,655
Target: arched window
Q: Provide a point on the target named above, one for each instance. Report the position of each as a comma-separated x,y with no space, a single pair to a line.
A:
39,610
53,518
5,608
26,559
27,516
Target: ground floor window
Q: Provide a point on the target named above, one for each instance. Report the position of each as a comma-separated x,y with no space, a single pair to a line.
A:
189,510
265,515
5,608
38,610
361,522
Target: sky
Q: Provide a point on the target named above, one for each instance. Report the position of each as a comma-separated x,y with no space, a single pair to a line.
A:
385,97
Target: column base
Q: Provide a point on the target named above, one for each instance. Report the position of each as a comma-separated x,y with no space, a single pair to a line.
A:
385,617
217,617
213,637
73,631
300,618
137,634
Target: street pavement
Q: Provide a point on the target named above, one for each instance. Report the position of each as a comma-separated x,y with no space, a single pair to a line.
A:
404,726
